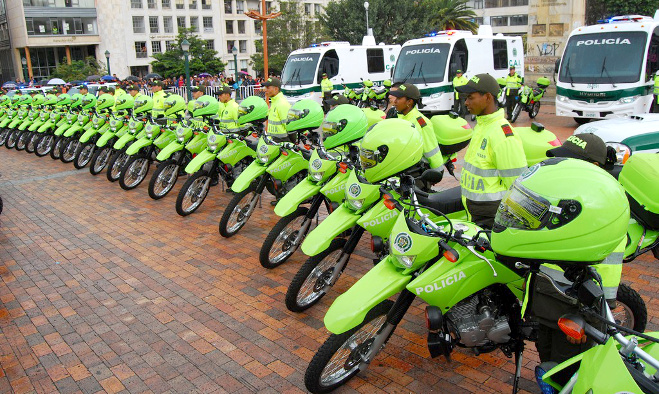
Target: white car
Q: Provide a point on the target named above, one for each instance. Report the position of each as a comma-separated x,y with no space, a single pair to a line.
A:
637,133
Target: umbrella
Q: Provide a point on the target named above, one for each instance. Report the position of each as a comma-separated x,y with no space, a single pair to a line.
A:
9,85
132,78
153,76
108,78
243,72
204,75
93,77
56,81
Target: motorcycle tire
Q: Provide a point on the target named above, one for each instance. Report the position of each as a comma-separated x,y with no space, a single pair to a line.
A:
58,144
116,165
31,146
68,153
308,285
515,114
337,361
44,145
630,311
235,216
21,141
4,133
163,179
84,155
11,139
193,193
100,160
134,171
535,109
280,244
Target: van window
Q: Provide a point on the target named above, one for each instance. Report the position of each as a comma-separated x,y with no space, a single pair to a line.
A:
328,64
652,64
459,58
500,54
375,60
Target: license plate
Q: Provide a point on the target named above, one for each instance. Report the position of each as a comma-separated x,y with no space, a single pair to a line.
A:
590,114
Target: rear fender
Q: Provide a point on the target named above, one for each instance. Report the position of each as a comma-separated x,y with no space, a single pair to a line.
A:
340,220
350,308
199,160
253,171
138,145
169,150
300,193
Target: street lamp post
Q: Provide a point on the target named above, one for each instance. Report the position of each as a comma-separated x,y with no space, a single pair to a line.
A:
185,45
234,50
107,60
366,7
24,63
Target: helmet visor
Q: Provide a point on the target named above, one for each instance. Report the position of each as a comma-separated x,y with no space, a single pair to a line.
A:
332,128
368,158
168,104
139,103
295,114
523,209
200,104
245,110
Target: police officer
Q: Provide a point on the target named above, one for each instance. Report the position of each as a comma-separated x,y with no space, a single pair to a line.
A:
159,96
326,87
134,91
279,107
118,91
494,158
83,89
655,102
513,83
407,100
229,115
459,102
336,100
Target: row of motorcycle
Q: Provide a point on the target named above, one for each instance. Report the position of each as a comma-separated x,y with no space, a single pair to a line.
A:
374,182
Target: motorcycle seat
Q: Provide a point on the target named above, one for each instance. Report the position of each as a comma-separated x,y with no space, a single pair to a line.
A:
446,201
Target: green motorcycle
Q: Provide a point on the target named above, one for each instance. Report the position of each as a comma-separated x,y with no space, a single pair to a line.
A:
71,138
20,136
118,126
99,126
35,118
529,99
44,139
142,119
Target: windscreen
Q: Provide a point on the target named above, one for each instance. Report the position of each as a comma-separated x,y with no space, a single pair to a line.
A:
422,64
603,58
300,69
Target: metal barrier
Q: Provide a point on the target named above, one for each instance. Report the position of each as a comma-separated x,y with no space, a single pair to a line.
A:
243,91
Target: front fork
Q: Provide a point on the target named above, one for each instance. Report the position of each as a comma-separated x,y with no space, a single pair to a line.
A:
346,252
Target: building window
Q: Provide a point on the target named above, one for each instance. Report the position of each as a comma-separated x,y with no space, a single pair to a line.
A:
307,8
499,21
208,24
515,3
180,5
169,45
155,47
227,7
519,20
135,3
478,4
500,54
231,66
230,45
180,22
138,24
242,46
491,3
478,21
210,44
240,6
168,24
166,3
229,27
375,60
241,27
140,49
243,65
153,24
205,4
68,26
194,23
258,25
192,5
151,3
316,9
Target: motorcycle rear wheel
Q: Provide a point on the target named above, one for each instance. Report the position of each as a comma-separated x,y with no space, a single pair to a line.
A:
338,359
630,311
193,193
237,212
535,109
280,243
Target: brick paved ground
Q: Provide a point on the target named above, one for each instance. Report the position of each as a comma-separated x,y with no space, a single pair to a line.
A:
107,290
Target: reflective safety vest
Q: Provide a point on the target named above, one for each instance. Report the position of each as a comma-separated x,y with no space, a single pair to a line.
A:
494,159
229,117
430,145
326,85
459,81
278,114
158,103
656,85
513,82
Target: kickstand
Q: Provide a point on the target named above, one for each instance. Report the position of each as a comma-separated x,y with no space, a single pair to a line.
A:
518,367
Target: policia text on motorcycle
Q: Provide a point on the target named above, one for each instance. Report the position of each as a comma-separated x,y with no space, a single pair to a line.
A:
494,157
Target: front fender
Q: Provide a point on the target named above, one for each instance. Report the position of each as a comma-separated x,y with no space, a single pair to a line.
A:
199,160
87,135
24,125
71,131
253,171
337,222
138,145
62,129
45,127
300,193
35,125
121,142
105,138
350,308
168,150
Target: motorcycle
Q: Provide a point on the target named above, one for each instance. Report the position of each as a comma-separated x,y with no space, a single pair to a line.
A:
70,140
118,127
529,99
87,142
68,120
44,139
353,95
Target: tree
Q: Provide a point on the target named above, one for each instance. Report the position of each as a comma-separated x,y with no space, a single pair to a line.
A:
171,63
78,69
294,29
602,9
452,15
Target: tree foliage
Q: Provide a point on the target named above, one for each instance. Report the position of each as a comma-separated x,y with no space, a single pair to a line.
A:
171,63
602,9
452,15
79,69
286,33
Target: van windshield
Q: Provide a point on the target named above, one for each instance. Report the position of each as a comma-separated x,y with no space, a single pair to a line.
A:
597,58
300,69
425,63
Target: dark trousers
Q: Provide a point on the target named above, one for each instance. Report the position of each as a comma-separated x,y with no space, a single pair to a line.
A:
326,96
654,108
511,101
482,212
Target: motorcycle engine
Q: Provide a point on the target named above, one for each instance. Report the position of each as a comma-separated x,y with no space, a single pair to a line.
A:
477,321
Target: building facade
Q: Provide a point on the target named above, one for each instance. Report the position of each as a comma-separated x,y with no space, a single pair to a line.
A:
509,17
48,32
6,63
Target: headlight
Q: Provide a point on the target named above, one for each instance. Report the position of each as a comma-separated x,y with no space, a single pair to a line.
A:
113,128
407,261
263,159
132,130
628,100
317,175
355,205
622,152
149,133
180,138
562,99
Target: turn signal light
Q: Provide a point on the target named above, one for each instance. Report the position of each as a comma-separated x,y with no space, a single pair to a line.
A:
389,202
571,328
255,135
451,255
555,142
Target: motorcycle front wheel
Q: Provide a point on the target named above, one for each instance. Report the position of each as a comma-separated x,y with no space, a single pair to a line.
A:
99,160
4,133
115,165
193,193
308,285
284,239
535,109
44,145
84,155
515,114
238,212
12,135
30,146
58,145
21,141
163,179
69,150
339,358
134,172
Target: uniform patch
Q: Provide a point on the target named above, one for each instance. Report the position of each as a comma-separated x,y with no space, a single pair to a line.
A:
484,143
421,121
507,130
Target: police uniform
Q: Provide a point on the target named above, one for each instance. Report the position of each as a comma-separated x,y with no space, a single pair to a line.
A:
513,83
158,101
229,114
459,81
655,102
278,112
326,86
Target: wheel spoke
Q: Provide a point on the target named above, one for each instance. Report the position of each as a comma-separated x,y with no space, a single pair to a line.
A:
310,290
287,242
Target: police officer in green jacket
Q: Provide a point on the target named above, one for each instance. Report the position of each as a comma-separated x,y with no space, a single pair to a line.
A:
513,83
229,115
459,101
407,101
655,102
326,86
158,99
495,156
279,107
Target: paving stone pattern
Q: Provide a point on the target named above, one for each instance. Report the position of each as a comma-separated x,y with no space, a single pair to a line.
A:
104,290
